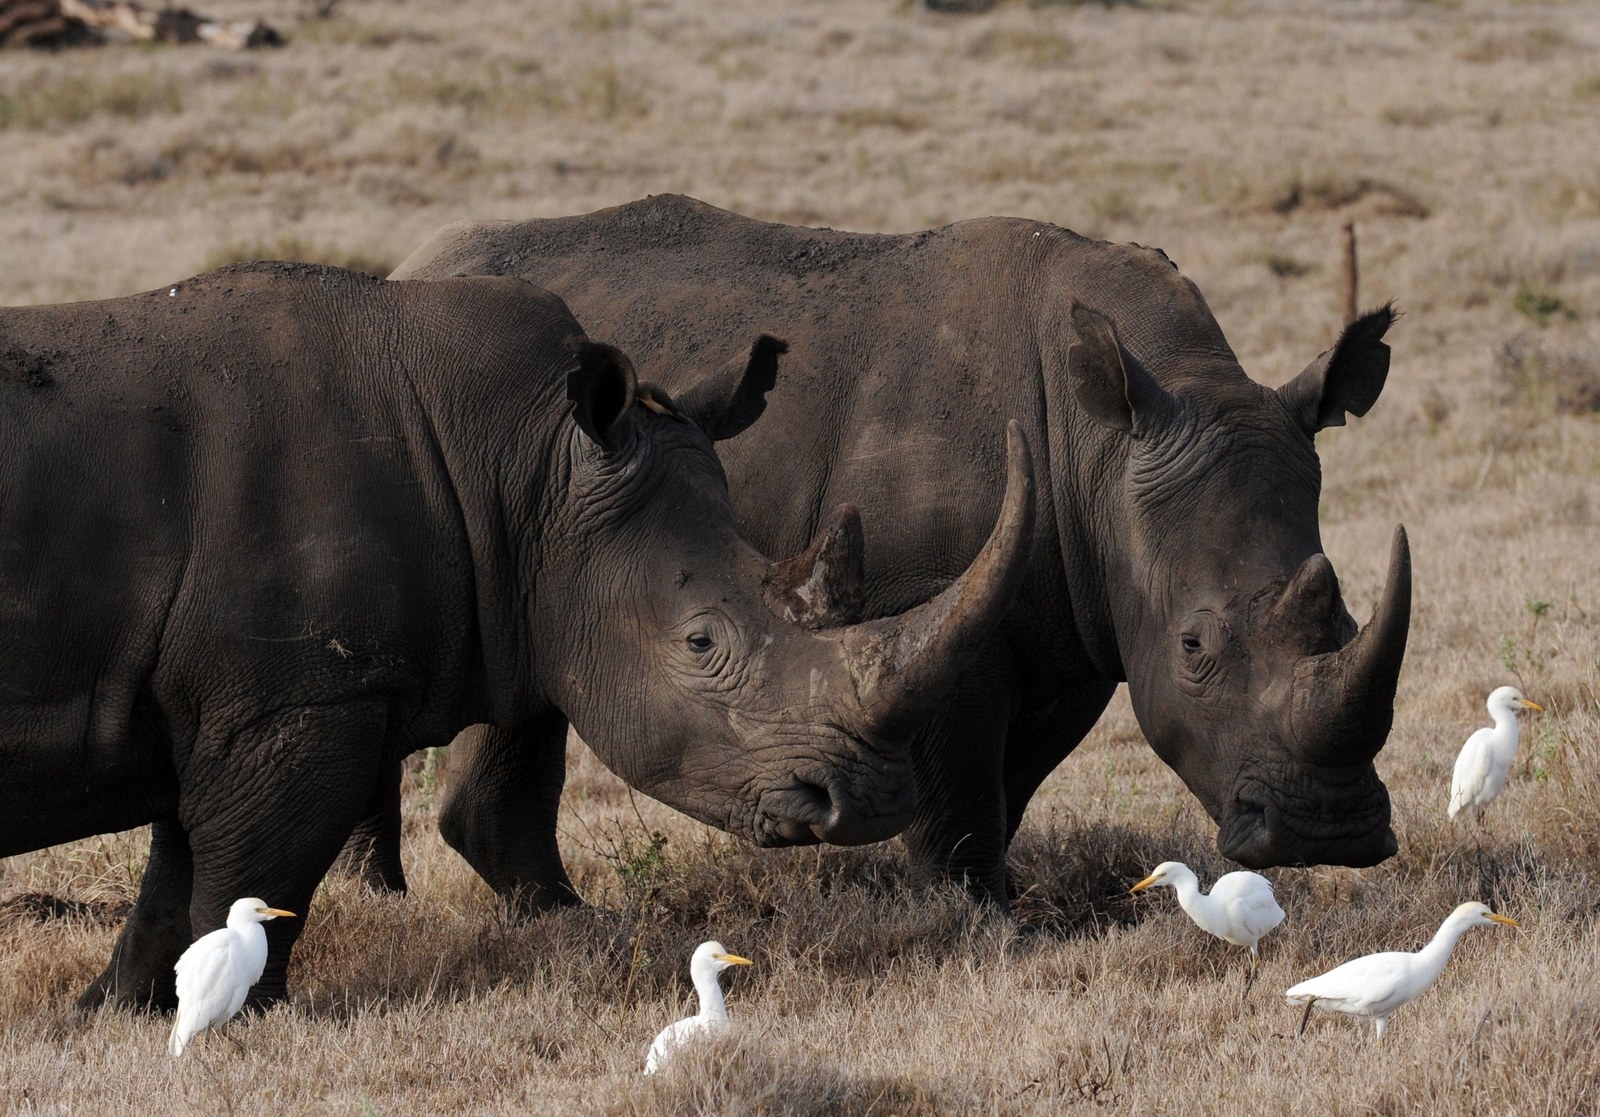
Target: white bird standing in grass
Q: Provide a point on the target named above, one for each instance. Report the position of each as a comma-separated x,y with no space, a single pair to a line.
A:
216,972
1380,983
708,961
1485,759
1240,908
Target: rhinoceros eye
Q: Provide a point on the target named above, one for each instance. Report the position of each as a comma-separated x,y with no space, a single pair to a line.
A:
699,642
1191,643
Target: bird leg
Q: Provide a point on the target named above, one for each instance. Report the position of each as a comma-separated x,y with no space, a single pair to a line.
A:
1486,875
1304,1016
1249,977
227,1035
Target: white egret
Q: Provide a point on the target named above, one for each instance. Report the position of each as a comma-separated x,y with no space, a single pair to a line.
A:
708,961
1377,984
1485,759
216,972
1240,908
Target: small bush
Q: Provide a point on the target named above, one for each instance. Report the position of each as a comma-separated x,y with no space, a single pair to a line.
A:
75,99
1287,267
1039,49
1536,44
1541,304
1565,378
1334,191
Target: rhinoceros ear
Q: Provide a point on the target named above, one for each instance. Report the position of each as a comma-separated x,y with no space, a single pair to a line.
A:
602,389
1109,383
1347,378
724,403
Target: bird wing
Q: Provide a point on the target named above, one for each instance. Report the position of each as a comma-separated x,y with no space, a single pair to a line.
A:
674,1034
1249,901
212,984
1473,771
668,1038
1363,986
658,1051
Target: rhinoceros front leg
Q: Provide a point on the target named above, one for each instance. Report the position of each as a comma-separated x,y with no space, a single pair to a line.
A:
500,807
959,830
373,851
157,931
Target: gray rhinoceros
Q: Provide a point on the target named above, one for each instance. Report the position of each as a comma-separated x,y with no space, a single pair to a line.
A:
267,531
1177,545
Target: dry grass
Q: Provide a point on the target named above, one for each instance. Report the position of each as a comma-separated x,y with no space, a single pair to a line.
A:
1237,136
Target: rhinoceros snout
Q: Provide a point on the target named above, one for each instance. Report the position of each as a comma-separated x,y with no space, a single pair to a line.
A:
1352,831
808,812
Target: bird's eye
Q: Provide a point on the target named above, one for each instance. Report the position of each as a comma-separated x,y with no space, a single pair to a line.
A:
699,642
1190,642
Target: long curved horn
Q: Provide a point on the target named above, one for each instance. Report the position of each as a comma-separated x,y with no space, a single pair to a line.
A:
1342,704
903,665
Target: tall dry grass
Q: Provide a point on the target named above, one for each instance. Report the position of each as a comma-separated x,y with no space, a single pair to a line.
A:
1238,136
868,996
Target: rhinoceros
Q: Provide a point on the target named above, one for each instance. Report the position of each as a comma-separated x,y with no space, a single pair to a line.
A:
1177,549
267,531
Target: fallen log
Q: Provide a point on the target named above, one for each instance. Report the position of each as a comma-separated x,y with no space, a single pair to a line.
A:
64,23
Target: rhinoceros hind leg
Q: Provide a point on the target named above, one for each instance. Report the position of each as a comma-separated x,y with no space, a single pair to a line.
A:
373,852
503,794
139,974
270,820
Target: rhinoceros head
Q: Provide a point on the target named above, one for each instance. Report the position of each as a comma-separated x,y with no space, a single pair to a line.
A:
1246,671
734,689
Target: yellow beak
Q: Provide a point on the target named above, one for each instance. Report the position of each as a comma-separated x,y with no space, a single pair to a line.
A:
731,959
276,911
1143,884
1506,919
1532,705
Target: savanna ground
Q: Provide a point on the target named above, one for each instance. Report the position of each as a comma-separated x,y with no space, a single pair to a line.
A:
1240,137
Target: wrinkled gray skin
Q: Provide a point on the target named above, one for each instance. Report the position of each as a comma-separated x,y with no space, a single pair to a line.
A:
267,532
1177,546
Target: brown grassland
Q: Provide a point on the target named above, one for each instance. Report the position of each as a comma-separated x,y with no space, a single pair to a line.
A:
1238,135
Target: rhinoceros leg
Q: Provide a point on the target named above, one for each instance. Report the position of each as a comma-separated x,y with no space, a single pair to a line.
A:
500,810
959,831
1037,744
373,851
157,930
267,810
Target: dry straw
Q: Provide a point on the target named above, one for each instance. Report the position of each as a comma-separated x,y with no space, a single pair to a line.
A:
1239,137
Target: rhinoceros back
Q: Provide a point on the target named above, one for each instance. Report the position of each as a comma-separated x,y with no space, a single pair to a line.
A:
227,491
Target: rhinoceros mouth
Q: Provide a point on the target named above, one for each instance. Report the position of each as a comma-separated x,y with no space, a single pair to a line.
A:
806,813
1342,820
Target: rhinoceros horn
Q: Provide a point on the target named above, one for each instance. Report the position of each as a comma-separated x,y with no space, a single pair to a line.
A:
1309,611
823,586
1342,702
904,665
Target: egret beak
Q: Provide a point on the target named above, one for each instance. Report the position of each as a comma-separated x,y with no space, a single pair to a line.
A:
275,912
1506,919
1531,704
731,960
1142,885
